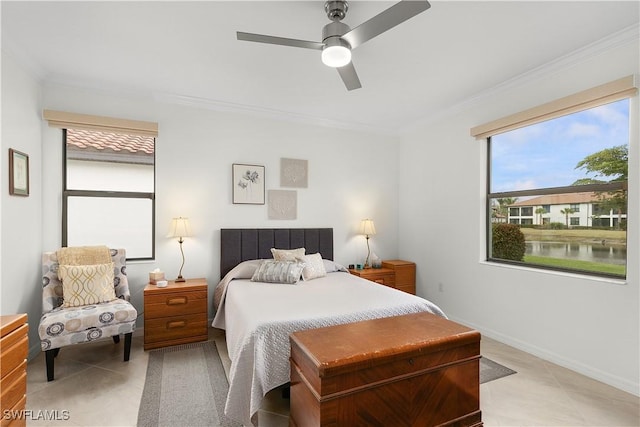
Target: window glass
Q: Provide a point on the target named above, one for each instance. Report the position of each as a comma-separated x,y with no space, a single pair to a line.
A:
109,191
568,177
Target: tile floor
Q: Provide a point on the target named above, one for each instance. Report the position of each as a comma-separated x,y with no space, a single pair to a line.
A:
99,389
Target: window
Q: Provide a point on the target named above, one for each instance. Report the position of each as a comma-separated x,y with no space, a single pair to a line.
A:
108,182
108,195
569,163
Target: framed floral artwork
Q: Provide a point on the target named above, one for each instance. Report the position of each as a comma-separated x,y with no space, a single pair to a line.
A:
248,184
18,173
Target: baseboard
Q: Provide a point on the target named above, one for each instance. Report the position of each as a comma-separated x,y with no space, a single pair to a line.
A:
579,367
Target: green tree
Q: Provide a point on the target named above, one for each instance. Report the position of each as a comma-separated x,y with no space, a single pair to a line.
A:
503,202
540,211
567,212
508,242
613,164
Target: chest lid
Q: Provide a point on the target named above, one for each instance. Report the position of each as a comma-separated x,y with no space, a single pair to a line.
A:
336,349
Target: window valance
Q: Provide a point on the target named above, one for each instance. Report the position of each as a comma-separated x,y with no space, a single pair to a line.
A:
625,87
63,119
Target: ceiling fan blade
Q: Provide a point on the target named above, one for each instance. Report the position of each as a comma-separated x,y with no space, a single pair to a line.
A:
261,38
389,18
349,76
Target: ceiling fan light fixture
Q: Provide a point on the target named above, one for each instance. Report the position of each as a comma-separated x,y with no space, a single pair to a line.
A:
336,56
336,53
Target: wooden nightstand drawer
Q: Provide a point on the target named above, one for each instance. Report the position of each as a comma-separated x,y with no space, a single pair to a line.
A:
175,304
383,276
176,314
176,327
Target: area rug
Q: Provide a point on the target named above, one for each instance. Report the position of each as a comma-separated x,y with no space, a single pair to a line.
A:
490,370
185,386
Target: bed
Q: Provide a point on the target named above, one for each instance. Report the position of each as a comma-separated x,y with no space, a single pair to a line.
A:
258,317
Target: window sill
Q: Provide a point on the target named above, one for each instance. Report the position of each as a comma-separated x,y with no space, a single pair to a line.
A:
591,278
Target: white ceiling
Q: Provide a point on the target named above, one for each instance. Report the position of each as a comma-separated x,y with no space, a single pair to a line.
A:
187,52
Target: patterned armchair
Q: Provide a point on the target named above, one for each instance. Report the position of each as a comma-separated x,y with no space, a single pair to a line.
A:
62,326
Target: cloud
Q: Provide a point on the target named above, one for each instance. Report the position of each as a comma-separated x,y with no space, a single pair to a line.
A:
578,130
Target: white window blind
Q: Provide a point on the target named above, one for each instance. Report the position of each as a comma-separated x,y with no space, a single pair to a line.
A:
616,90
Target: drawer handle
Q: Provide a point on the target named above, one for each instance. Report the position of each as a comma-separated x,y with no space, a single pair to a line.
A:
411,362
176,324
177,301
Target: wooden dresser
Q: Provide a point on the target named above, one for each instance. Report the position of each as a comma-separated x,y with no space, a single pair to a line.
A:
394,273
14,346
176,314
412,370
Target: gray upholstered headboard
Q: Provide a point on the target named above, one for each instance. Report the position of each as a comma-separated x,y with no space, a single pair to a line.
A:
242,244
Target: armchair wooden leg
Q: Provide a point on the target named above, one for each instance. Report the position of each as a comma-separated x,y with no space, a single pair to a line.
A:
116,339
50,357
127,345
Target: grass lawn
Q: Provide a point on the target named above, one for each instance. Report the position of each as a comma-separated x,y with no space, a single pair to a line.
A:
544,235
598,267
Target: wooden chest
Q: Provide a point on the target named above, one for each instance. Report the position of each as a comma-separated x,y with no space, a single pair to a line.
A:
412,370
176,314
13,368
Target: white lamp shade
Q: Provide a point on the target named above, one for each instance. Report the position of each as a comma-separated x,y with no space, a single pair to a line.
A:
367,227
180,227
336,56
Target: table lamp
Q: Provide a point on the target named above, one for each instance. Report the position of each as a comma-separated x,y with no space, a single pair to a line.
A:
180,228
368,229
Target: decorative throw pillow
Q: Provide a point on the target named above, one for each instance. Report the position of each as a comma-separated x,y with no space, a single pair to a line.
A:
271,271
313,267
87,284
287,254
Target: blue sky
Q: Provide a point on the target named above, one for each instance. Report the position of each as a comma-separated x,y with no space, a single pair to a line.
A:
546,154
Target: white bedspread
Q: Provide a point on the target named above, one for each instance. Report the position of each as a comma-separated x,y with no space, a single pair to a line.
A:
258,318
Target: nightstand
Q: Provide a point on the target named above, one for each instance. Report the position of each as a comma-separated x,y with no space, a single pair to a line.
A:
383,276
395,273
405,274
176,314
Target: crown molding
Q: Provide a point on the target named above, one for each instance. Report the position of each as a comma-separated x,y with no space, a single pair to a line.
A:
221,106
269,113
620,38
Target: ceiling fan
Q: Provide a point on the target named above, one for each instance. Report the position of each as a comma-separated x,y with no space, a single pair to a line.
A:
338,39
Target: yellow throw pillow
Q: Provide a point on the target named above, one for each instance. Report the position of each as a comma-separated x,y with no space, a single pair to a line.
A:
87,284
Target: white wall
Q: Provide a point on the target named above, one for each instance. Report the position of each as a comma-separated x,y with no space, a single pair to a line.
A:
21,230
352,175
586,324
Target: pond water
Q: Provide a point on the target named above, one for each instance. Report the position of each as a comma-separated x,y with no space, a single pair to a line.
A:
596,252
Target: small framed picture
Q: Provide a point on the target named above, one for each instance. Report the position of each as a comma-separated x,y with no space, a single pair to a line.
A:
248,184
18,173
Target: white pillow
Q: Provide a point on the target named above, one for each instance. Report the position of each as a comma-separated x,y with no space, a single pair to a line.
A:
271,271
313,266
287,254
87,284
332,267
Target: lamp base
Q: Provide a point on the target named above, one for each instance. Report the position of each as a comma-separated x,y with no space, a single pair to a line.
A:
180,279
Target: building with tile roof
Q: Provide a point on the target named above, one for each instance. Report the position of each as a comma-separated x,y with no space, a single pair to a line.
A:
585,211
83,144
